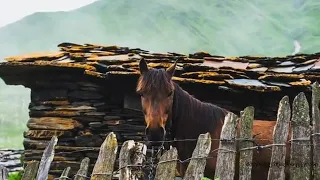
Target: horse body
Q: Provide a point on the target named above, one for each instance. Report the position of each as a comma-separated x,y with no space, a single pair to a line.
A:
167,106
198,117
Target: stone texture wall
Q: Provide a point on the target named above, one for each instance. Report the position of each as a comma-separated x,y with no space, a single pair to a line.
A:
81,113
11,159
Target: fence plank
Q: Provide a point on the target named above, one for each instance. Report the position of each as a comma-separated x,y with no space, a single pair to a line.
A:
103,169
3,173
197,164
30,171
137,158
83,170
46,159
280,136
167,165
124,159
245,160
65,173
225,168
131,157
316,129
300,142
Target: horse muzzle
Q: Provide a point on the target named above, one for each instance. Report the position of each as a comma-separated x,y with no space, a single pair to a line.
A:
155,136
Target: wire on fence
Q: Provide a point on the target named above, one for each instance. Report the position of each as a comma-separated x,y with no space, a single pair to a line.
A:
154,165
220,150
253,140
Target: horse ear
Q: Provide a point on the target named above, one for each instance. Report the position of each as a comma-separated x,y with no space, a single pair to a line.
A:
172,68
143,66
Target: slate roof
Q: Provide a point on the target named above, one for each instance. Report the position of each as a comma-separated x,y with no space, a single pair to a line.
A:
262,74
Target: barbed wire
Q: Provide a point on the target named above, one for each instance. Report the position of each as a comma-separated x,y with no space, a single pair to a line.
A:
257,147
154,165
252,140
215,139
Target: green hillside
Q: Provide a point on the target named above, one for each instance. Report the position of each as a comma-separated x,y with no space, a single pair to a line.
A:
219,27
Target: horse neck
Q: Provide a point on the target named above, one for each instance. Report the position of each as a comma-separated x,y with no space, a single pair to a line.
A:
191,112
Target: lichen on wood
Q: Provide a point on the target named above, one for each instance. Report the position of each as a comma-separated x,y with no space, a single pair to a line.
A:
46,159
227,148
30,170
280,134
103,169
316,129
167,165
131,156
199,157
245,160
83,170
300,157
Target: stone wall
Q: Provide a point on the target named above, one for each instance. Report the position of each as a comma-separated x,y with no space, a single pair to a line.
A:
81,113
11,159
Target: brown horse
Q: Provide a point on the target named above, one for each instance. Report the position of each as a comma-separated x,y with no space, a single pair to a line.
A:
167,106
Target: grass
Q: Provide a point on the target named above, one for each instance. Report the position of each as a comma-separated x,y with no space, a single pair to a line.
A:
15,176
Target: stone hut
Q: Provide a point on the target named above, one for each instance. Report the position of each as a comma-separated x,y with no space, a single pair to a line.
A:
82,92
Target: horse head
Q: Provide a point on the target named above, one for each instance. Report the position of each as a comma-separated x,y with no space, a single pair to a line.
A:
156,90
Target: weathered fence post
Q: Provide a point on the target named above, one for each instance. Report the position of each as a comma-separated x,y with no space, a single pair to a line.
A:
46,159
167,165
316,130
3,173
139,153
280,136
83,170
131,154
124,160
200,154
65,173
225,168
300,160
103,169
30,171
245,160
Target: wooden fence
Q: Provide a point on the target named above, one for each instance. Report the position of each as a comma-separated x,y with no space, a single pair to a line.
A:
305,131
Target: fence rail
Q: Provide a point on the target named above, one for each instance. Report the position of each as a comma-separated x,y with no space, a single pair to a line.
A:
304,154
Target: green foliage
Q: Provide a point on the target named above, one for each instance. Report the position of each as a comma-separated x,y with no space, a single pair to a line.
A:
205,178
15,175
231,28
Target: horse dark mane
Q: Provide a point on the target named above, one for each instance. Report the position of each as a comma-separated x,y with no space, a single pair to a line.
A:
191,112
154,79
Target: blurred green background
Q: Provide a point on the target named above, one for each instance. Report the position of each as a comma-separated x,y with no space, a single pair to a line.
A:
230,28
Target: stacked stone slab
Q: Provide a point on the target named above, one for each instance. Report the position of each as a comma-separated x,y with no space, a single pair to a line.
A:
11,159
83,92
81,114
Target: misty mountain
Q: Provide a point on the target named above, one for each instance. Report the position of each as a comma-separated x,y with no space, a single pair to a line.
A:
220,27
231,28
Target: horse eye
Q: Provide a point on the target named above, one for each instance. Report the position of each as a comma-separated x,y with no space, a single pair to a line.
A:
170,93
